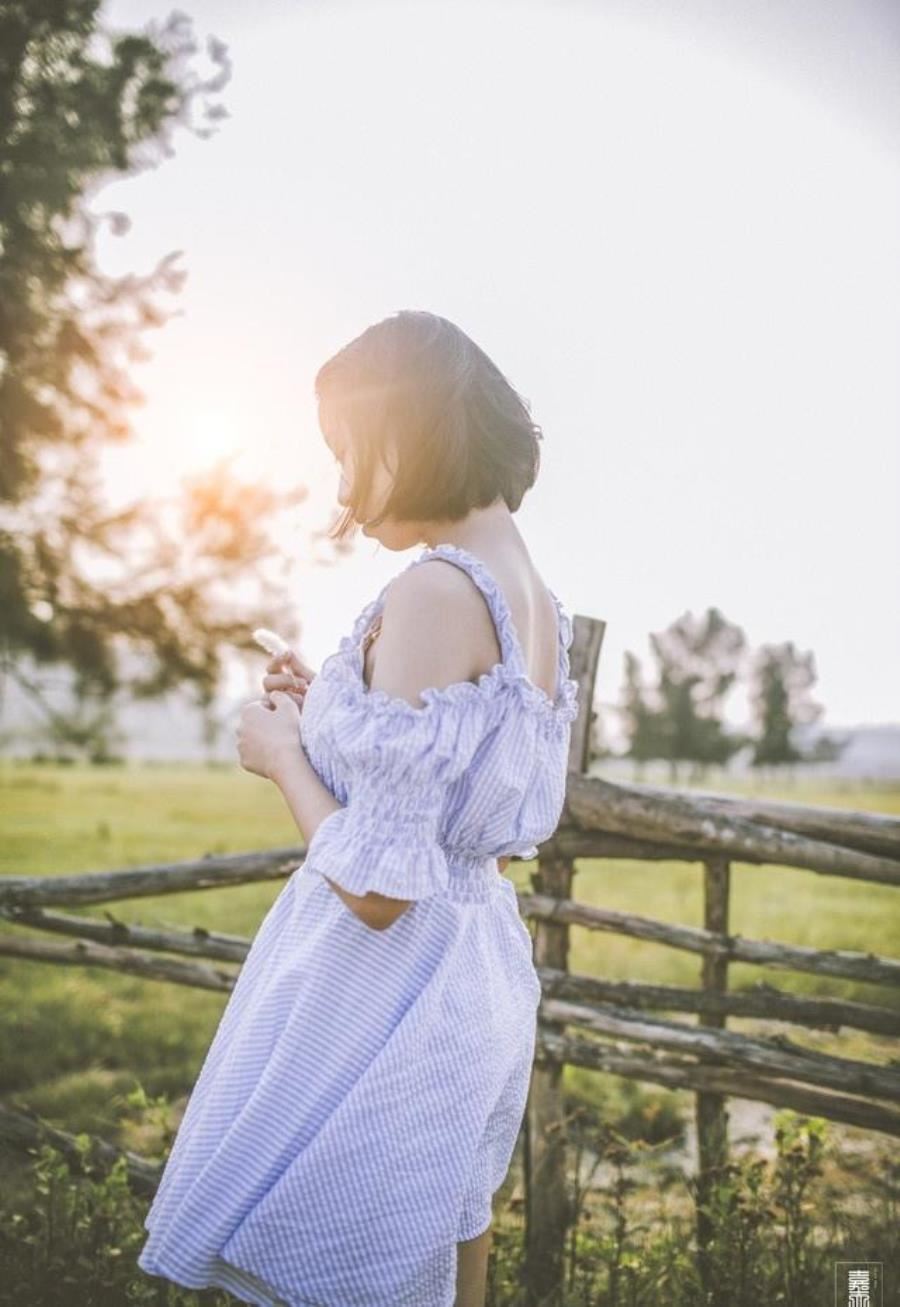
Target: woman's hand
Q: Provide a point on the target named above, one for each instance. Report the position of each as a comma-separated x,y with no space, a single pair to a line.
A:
268,736
288,673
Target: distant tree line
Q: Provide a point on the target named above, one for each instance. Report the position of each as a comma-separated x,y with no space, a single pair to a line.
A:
676,714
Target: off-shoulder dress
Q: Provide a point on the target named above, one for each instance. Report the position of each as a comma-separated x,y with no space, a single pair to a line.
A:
361,1098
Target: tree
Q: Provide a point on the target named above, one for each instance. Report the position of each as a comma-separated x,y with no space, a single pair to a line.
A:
680,717
81,584
780,682
644,726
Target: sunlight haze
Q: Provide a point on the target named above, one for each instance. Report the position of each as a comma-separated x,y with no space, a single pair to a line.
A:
683,257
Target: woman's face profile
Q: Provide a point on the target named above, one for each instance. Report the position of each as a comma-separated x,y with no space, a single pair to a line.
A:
393,535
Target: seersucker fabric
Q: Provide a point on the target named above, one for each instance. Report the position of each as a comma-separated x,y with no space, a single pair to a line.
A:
360,1101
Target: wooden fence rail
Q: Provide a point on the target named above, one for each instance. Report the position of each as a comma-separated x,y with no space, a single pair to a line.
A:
628,1027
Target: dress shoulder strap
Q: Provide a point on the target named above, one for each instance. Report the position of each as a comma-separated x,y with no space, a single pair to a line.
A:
510,649
368,624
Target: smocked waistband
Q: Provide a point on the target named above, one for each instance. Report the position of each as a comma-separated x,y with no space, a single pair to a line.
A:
474,878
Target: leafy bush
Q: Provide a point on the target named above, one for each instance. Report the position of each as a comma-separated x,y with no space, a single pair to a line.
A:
78,1241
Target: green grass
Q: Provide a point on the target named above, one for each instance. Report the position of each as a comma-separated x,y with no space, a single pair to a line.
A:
73,1040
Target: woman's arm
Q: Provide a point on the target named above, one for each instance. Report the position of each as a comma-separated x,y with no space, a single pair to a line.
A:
310,802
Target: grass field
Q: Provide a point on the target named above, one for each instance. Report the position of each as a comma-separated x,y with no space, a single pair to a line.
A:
74,1041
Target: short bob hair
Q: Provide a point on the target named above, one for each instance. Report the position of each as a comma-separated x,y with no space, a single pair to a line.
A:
462,435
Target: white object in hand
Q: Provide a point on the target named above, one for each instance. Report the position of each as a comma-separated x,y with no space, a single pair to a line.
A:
271,642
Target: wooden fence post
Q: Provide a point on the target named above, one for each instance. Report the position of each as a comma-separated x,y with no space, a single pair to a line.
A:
711,1110
547,1203
547,1214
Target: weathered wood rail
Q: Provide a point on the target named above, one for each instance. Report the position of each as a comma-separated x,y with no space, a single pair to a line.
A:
628,1027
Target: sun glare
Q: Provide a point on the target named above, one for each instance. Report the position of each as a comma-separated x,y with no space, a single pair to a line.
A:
211,437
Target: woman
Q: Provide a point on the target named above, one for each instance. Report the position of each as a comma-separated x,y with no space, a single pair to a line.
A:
360,1102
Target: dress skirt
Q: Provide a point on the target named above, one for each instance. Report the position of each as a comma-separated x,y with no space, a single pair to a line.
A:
359,1104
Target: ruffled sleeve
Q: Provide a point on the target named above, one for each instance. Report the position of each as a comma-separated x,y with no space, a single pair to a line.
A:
398,763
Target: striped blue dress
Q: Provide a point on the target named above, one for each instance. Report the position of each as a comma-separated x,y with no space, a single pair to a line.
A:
361,1099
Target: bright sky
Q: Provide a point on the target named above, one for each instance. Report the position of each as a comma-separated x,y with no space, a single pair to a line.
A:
679,242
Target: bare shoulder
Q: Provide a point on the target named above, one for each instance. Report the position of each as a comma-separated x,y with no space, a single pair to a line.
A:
434,580
430,620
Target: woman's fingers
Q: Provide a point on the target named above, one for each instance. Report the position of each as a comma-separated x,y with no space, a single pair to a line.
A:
292,694
284,681
289,673
279,663
290,662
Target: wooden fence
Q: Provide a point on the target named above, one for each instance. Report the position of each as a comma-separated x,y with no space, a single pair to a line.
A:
600,820
606,820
